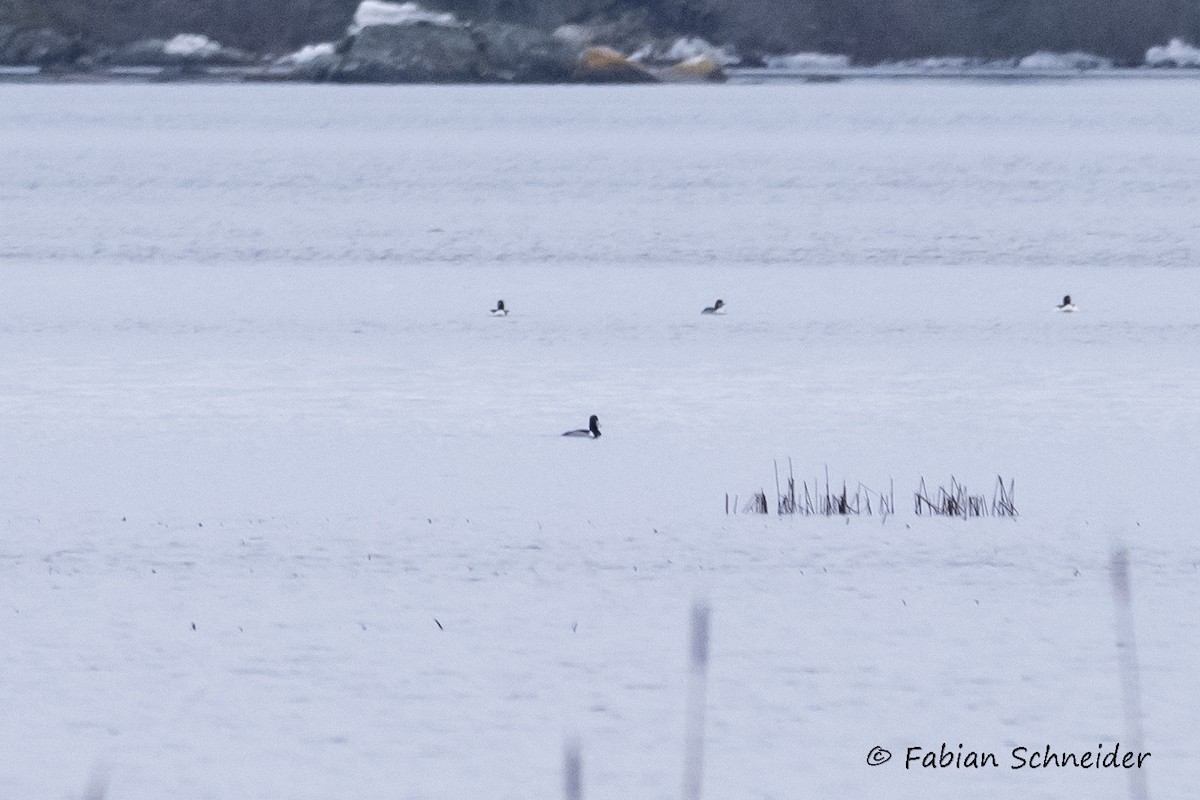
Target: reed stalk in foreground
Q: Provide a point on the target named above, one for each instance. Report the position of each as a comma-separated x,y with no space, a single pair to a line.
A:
1127,663
572,770
693,762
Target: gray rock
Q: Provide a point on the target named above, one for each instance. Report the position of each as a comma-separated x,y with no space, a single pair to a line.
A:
693,70
153,53
142,53
321,68
605,65
523,55
410,54
489,53
625,32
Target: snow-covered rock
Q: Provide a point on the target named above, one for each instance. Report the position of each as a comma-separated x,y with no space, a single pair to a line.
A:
677,51
379,12
694,69
938,63
308,54
313,62
492,52
1176,53
191,45
685,49
807,61
574,34
410,54
625,33
405,43
183,50
1076,60
606,65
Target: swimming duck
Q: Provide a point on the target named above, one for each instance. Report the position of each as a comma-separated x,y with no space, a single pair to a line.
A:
1066,304
716,308
499,310
592,431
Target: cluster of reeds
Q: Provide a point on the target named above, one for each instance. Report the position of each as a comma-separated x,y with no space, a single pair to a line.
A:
957,501
757,504
817,500
793,498
826,499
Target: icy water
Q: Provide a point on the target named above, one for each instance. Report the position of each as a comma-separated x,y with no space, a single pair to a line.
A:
285,513
958,173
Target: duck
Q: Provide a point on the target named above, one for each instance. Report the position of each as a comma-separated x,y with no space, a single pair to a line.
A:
1066,304
592,431
499,310
716,308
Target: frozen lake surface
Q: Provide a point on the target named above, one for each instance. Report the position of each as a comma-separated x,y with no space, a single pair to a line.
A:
285,513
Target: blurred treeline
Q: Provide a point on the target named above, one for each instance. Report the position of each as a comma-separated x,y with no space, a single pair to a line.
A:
867,30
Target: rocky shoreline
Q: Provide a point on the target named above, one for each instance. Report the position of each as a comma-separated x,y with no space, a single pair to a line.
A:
400,43
386,43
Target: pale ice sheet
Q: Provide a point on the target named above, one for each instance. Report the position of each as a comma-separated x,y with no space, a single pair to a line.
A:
1101,173
312,459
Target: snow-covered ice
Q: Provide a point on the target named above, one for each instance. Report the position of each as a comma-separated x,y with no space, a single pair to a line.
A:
250,384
